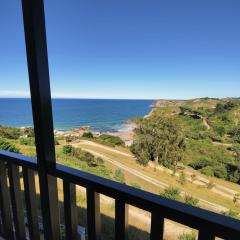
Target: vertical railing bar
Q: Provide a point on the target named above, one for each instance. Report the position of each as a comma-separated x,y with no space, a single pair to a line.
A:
5,203
157,226
70,210
36,46
31,203
1,224
121,220
203,235
17,201
93,215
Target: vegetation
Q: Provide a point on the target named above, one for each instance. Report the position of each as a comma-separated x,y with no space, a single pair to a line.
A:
114,140
212,134
182,178
191,200
10,132
171,193
29,141
87,135
119,176
231,213
187,236
8,145
81,155
158,139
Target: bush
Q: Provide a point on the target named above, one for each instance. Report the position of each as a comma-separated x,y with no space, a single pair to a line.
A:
220,171
27,141
231,213
8,146
182,178
220,130
117,141
87,135
56,142
119,176
70,138
67,149
208,171
171,193
187,236
191,200
9,132
201,164
82,156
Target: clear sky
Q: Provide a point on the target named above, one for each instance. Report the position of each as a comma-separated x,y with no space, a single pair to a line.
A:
129,48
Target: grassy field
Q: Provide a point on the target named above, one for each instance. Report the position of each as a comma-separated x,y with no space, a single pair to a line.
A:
165,177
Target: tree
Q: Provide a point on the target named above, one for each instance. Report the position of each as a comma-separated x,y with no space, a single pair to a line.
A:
87,135
171,193
158,139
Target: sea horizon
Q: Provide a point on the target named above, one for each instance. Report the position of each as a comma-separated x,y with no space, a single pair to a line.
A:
103,115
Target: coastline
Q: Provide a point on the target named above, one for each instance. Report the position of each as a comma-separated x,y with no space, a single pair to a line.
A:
125,132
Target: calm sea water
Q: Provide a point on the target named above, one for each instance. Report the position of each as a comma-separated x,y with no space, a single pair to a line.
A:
101,115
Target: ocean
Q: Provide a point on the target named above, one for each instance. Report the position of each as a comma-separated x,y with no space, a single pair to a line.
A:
100,115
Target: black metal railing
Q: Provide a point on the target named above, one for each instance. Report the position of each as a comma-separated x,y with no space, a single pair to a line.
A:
12,220
209,224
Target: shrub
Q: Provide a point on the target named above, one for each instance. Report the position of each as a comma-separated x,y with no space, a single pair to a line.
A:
56,142
111,139
182,178
70,138
207,171
220,130
67,149
231,213
201,164
9,132
27,141
171,193
119,176
220,171
87,135
8,146
191,200
187,236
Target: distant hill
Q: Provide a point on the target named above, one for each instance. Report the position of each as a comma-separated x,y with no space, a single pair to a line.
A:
206,103
212,130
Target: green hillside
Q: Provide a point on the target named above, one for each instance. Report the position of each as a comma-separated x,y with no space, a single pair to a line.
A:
212,133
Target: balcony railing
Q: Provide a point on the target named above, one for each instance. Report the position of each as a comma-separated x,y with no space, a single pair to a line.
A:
12,218
209,224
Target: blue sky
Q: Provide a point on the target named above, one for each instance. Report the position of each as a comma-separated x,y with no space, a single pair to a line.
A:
129,49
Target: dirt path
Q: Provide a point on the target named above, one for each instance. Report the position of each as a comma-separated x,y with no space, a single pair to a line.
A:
213,206
205,123
201,181
104,147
